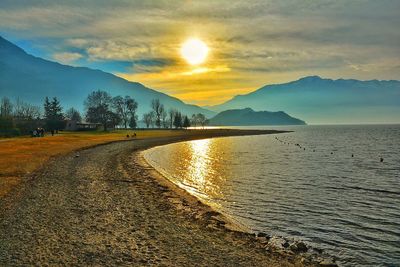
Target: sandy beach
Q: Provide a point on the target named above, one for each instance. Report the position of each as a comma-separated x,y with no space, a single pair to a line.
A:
106,206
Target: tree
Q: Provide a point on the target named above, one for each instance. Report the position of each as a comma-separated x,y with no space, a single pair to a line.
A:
53,114
164,119
73,114
171,114
158,109
199,119
25,111
194,120
132,106
126,109
6,107
114,119
133,122
186,122
178,120
98,108
148,118
7,127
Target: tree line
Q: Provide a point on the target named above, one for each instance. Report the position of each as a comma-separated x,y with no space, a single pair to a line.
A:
20,117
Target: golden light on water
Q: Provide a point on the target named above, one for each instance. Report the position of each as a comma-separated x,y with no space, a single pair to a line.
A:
200,161
199,167
194,51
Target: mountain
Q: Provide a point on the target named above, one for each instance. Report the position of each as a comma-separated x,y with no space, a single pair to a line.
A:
247,116
319,100
32,79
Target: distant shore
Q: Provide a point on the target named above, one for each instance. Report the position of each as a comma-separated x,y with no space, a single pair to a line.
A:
106,206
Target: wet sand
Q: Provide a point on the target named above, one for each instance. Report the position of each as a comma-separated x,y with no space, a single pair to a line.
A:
105,206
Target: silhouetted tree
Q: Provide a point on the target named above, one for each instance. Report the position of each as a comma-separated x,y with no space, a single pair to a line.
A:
171,113
199,119
133,122
148,118
158,109
98,108
178,120
164,119
25,111
53,114
7,127
114,120
73,114
6,107
186,122
125,108
132,106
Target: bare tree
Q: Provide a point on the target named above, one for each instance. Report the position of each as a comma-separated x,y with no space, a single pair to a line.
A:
199,119
73,114
164,118
171,113
202,119
148,118
6,107
26,111
194,120
158,109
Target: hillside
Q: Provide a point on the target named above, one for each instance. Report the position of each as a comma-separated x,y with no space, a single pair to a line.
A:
32,79
319,100
247,116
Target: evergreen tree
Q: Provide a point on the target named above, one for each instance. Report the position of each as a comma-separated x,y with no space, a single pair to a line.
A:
178,120
53,114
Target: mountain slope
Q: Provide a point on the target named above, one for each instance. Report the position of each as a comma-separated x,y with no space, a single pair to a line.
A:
247,116
320,100
32,79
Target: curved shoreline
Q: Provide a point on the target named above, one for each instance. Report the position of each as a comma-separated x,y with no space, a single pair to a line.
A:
219,219
106,208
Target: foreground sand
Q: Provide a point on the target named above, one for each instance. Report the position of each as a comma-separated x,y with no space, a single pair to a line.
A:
104,206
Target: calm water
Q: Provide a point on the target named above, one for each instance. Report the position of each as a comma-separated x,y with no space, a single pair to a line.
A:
350,206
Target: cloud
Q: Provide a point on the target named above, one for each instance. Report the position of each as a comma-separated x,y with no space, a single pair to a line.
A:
258,42
66,57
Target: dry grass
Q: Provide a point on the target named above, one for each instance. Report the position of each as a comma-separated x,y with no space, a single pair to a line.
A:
21,156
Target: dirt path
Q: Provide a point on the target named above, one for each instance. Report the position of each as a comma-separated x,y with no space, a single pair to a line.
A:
103,208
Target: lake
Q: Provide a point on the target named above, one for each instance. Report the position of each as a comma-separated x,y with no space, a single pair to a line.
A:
334,187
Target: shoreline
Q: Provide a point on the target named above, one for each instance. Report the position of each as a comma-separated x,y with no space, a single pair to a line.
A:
281,245
77,206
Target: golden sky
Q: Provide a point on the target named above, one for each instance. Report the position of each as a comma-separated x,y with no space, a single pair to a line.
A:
251,43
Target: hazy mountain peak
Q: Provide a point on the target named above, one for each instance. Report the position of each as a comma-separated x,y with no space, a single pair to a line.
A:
32,79
323,100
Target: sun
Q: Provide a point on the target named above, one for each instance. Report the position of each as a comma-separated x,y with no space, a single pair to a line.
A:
194,51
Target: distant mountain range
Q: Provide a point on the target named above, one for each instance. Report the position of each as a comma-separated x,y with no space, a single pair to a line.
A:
314,99
32,79
319,100
247,116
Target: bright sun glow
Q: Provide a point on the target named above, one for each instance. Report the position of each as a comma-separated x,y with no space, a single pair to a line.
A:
194,51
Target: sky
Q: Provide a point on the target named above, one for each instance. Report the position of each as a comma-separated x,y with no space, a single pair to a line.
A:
251,43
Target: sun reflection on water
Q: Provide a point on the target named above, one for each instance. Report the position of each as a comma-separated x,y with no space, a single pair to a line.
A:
200,163
197,166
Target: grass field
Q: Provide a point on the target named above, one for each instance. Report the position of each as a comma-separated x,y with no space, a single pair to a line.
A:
23,155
